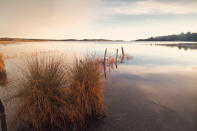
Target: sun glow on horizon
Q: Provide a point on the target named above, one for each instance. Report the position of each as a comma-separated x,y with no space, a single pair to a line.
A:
94,19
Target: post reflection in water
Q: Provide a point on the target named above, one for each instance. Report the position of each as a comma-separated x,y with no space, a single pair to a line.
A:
109,61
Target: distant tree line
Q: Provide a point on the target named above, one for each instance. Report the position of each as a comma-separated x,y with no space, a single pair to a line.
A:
23,39
180,37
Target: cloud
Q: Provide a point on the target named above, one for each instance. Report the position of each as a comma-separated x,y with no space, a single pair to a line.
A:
153,7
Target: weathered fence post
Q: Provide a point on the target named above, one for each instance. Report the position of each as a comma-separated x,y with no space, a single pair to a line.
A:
105,55
116,58
105,63
122,51
3,125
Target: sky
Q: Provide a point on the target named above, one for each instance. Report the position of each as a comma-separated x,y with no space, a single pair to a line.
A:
107,19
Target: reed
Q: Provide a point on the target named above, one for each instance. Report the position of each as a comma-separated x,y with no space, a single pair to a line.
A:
59,97
3,76
43,97
87,85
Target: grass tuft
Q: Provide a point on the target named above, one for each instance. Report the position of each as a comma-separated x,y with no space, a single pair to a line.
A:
3,76
87,83
43,96
59,97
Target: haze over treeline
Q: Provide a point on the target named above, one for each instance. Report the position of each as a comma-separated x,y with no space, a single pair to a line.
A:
180,37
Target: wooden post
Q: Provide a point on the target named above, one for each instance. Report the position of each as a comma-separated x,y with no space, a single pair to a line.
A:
105,55
2,117
105,74
116,58
105,63
122,51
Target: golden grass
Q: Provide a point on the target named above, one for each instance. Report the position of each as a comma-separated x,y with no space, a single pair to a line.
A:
3,76
2,66
6,42
55,97
43,95
87,86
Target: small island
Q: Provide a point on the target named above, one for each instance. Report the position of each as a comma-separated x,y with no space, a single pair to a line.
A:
180,37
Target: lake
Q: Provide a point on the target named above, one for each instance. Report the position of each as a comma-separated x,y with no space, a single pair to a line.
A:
154,91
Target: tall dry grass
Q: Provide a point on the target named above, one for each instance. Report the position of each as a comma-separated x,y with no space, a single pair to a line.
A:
43,100
3,76
87,87
59,97
2,66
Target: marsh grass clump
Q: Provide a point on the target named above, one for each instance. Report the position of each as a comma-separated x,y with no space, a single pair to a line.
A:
87,87
44,104
56,96
3,76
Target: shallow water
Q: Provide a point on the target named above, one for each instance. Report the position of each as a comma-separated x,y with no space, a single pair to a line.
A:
156,90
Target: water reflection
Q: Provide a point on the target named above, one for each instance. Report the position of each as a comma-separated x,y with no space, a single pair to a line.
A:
156,90
149,98
109,61
184,46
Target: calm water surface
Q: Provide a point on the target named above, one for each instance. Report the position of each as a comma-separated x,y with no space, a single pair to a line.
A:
156,90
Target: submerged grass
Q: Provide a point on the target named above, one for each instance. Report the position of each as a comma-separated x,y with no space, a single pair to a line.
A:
59,97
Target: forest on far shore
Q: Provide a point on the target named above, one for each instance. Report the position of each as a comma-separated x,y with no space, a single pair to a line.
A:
180,37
